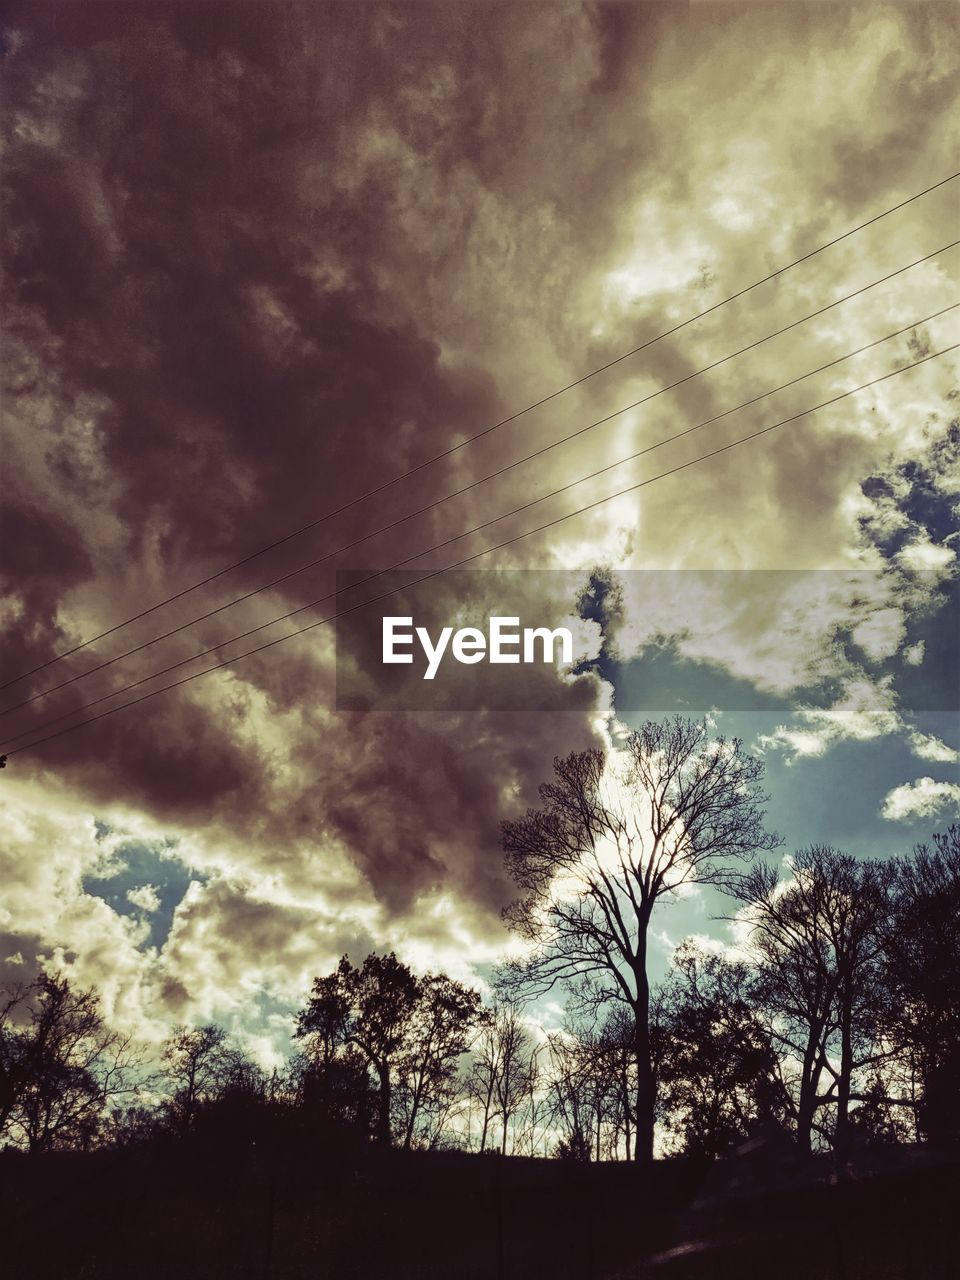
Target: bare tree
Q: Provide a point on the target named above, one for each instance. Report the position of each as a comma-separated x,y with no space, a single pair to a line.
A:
817,939
437,1036
590,1082
503,1070
608,1052
921,974
616,1041
60,1065
481,1081
195,1066
534,1106
611,839
570,1111
720,1070
516,1065
370,1008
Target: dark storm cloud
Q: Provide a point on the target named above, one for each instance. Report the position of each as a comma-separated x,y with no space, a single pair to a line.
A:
418,797
21,958
40,558
226,310
164,239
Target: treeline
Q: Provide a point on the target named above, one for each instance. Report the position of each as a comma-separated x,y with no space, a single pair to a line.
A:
834,1023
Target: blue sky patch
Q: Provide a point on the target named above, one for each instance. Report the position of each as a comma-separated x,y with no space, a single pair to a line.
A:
141,865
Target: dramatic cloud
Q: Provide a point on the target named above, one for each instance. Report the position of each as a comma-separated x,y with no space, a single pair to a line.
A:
262,258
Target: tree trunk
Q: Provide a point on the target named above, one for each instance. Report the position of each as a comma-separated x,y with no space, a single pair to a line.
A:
807,1102
842,1134
646,1099
627,1128
486,1124
383,1119
488,1108
414,1110
805,1109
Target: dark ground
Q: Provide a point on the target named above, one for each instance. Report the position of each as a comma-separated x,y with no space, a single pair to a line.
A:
180,1213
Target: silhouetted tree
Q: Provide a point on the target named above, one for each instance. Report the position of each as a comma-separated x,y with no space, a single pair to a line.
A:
569,1079
481,1080
875,1123
196,1063
335,1091
324,1025
436,1037
370,1008
720,1071
503,1069
609,841
590,1073
816,938
410,1031
575,1146
615,1057
516,1067
60,1065
18,1051
921,971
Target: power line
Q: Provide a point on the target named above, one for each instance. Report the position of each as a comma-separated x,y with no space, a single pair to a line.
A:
439,546
430,506
467,533
570,386
446,568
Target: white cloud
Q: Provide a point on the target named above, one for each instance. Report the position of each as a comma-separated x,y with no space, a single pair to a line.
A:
732,951
146,898
864,712
927,747
880,634
48,915
913,654
924,555
924,798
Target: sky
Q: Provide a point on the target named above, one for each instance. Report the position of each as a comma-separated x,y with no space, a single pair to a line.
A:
261,259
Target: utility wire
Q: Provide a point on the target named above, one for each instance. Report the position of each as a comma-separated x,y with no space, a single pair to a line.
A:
437,572
538,453
476,529
446,453
437,547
